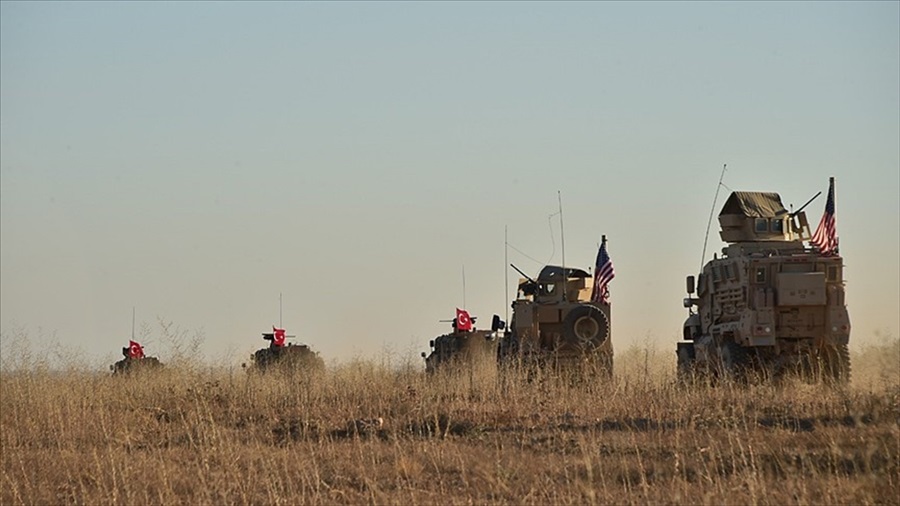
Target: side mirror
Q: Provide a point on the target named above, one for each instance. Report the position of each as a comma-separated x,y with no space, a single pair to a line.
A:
497,323
690,284
430,344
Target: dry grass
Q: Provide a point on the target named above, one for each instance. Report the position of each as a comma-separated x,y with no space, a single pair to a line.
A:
197,436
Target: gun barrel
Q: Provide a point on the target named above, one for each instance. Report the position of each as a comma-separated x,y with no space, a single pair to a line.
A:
808,202
522,273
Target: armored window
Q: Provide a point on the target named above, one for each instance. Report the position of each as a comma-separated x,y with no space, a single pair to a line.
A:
761,272
777,226
762,225
834,273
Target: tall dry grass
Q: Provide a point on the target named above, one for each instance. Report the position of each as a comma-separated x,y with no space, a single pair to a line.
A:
192,435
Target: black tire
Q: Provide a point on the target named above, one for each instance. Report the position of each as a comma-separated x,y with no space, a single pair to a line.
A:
586,326
686,361
835,362
732,362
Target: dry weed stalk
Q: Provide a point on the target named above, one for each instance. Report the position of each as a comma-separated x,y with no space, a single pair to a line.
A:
364,433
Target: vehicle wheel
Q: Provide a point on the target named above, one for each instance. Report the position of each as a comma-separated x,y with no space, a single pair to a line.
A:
586,326
835,362
686,362
734,361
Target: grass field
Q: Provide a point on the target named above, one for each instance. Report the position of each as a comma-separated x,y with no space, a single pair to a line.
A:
192,435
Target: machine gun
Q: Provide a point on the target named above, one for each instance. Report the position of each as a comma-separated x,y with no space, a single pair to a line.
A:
530,286
453,322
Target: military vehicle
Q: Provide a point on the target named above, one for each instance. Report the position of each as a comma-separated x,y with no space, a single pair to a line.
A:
285,356
134,360
466,349
556,324
769,304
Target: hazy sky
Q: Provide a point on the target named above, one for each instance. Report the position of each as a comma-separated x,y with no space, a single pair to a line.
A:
194,160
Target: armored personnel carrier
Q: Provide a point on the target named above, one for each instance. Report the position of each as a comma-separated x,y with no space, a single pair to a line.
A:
287,356
134,360
465,348
769,304
556,323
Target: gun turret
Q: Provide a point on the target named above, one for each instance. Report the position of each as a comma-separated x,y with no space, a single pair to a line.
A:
530,286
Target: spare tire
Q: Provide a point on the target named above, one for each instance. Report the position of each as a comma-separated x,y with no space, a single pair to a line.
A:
586,326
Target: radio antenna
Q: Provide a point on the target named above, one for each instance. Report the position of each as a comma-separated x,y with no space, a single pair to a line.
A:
280,322
506,271
711,211
464,285
562,240
132,323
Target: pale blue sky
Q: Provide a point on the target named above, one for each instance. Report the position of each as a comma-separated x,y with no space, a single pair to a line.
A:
194,160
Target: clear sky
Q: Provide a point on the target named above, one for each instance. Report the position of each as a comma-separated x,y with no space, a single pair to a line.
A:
194,160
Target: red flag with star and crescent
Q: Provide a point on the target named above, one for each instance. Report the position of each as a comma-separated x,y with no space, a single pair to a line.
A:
278,338
135,350
463,321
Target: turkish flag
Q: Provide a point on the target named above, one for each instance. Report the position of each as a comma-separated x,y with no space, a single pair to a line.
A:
278,338
463,322
135,350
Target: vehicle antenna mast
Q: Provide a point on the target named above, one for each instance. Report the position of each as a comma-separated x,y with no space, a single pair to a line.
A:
506,271
132,323
711,211
464,285
562,239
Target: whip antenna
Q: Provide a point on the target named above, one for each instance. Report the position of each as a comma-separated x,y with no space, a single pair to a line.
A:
506,271
711,211
464,285
562,240
132,323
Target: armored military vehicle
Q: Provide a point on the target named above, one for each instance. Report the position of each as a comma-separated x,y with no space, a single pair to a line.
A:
465,349
769,304
286,356
556,324
134,360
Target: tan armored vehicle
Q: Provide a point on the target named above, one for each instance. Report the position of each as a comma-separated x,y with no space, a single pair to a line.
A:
555,323
465,349
769,304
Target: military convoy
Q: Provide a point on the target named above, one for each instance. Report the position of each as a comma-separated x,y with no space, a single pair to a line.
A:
769,304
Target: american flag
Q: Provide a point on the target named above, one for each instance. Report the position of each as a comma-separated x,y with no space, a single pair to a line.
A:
825,239
603,274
